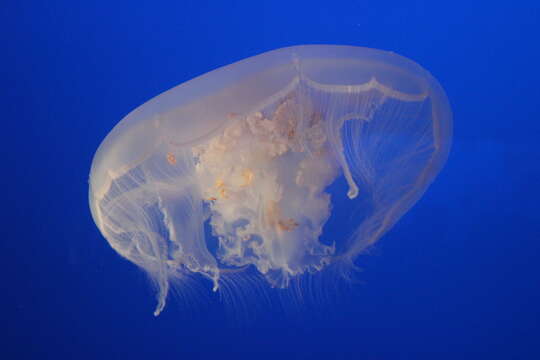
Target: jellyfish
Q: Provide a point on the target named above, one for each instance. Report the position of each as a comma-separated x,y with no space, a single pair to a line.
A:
250,150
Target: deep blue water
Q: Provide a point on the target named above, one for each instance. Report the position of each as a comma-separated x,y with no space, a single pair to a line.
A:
456,278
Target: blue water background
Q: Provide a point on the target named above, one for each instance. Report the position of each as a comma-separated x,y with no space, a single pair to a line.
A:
456,278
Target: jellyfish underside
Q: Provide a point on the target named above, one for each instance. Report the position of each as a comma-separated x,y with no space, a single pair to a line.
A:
259,178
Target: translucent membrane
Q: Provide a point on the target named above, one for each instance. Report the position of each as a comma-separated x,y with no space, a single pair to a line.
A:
251,148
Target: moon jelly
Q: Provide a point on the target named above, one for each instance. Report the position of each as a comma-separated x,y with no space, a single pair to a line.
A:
250,150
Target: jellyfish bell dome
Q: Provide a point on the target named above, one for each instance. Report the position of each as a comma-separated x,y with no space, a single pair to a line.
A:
250,149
